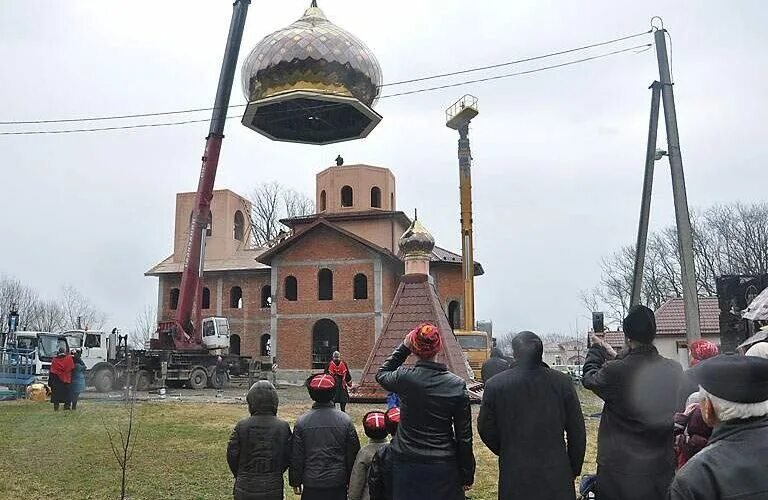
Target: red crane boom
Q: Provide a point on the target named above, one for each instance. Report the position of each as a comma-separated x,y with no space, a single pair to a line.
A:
184,331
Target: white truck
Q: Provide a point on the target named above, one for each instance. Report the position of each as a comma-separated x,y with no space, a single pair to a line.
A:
109,361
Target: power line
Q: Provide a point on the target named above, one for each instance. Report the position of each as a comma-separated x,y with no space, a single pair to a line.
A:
399,94
392,84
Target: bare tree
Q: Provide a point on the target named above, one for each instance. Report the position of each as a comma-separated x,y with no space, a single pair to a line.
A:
48,316
13,293
270,202
727,239
122,435
144,326
79,311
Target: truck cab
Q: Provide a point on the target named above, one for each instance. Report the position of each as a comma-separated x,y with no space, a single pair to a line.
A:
477,349
43,346
216,334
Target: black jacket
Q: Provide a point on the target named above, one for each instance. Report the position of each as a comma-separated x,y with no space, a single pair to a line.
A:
731,466
380,474
494,365
525,413
635,453
325,445
259,451
435,418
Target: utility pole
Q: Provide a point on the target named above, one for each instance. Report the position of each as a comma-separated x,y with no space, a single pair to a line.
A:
663,90
645,205
682,216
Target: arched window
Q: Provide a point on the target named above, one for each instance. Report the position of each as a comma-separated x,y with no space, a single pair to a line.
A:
325,340
322,201
239,229
265,345
454,314
206,303
325,284
360,286
375,197
234,344
236,297
174,298
346,196
291,287
266,296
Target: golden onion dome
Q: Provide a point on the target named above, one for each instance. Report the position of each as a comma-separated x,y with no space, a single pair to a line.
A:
312,54
416,241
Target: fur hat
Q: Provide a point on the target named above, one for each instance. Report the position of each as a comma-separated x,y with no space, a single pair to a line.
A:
321,387
392,419
374,425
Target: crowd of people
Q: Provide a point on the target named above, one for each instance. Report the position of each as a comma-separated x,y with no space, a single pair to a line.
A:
66,379
663,432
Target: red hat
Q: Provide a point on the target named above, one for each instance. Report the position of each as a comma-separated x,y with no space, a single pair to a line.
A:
374,425
425,340
321,387
392,419
701,350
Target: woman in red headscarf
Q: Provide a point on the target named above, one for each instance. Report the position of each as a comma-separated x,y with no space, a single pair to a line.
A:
699,351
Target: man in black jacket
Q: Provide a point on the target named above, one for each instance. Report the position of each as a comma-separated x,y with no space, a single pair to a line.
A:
635,454
525,413
432,450
732,465
494,365
259,448
325,445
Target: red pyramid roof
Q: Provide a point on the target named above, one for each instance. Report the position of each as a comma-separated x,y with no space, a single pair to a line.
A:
415,302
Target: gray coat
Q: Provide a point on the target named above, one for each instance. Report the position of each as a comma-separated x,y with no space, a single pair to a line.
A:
731,466
259,448
358,483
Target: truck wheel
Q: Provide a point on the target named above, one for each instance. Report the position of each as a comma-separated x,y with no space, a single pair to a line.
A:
143,380
103,381
198,379
217,380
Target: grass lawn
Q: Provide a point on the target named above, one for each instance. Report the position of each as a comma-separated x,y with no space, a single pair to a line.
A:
179,454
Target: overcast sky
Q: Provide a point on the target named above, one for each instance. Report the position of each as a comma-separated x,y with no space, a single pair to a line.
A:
558,155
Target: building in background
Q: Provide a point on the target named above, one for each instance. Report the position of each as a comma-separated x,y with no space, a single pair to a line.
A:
328,286
671,339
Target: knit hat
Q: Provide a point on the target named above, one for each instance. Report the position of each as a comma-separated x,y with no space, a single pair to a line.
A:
321,387
701,350
374,425
392,419
425,340
640,324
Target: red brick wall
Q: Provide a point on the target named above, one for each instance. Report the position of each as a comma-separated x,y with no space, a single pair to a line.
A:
356,337
449,282
249,322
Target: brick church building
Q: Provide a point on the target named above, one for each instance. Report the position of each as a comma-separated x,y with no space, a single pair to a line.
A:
327,286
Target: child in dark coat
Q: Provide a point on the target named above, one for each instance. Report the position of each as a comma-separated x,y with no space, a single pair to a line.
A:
374,424
380,472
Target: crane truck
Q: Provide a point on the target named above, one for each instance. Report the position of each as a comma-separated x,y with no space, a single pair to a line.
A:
188,348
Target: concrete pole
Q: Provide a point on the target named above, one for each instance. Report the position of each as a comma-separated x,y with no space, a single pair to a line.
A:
645,204
682,216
